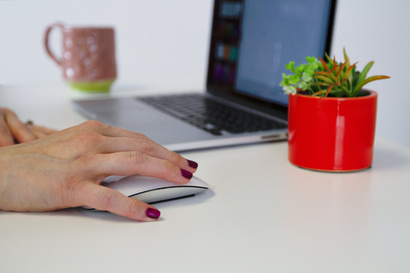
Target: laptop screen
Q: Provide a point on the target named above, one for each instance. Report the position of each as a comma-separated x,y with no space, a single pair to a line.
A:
252,41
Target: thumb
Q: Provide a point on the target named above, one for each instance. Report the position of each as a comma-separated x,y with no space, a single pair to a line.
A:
106,199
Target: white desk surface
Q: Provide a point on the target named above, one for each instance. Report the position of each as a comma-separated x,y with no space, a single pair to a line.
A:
263,215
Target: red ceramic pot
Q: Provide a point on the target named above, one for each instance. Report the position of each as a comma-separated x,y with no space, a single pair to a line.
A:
332,134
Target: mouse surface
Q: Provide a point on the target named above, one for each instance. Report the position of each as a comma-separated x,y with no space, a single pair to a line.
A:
153,190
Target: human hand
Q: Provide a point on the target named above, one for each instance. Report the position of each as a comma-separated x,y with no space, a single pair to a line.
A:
13,130
65,169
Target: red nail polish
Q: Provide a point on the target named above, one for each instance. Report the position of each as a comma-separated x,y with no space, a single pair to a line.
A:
192,164
186,174
152,213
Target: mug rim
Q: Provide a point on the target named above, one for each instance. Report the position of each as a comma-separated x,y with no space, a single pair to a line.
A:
85,27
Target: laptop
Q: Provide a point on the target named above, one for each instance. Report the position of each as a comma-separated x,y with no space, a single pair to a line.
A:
251,43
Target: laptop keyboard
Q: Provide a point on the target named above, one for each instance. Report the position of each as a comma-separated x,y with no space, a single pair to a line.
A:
210,115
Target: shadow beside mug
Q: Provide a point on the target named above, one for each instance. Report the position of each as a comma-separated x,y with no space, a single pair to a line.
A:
88,56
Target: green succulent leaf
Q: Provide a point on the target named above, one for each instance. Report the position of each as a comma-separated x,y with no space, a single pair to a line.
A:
364,72
347,60
325,78
369,79
290,66
339,79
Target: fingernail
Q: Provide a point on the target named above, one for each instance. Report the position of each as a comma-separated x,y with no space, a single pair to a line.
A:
186,174
152,213
192,164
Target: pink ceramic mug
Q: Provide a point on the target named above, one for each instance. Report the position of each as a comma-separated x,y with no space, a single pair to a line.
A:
88,56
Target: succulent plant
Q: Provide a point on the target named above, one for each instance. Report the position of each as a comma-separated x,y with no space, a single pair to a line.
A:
333,79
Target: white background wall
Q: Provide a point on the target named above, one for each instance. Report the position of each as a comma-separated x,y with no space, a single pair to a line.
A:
165,42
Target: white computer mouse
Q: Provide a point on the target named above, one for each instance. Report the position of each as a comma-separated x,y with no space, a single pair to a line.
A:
153,190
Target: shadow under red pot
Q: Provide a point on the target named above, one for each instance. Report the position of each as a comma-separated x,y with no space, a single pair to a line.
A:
332,134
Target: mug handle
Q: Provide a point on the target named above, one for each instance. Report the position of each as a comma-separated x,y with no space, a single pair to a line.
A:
46,41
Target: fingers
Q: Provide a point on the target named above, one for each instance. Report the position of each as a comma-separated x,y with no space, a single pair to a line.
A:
5,135
130,163
102,198
13,130
18,130
106,140
148,147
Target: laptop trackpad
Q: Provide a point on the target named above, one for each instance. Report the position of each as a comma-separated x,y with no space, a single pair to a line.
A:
136,116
